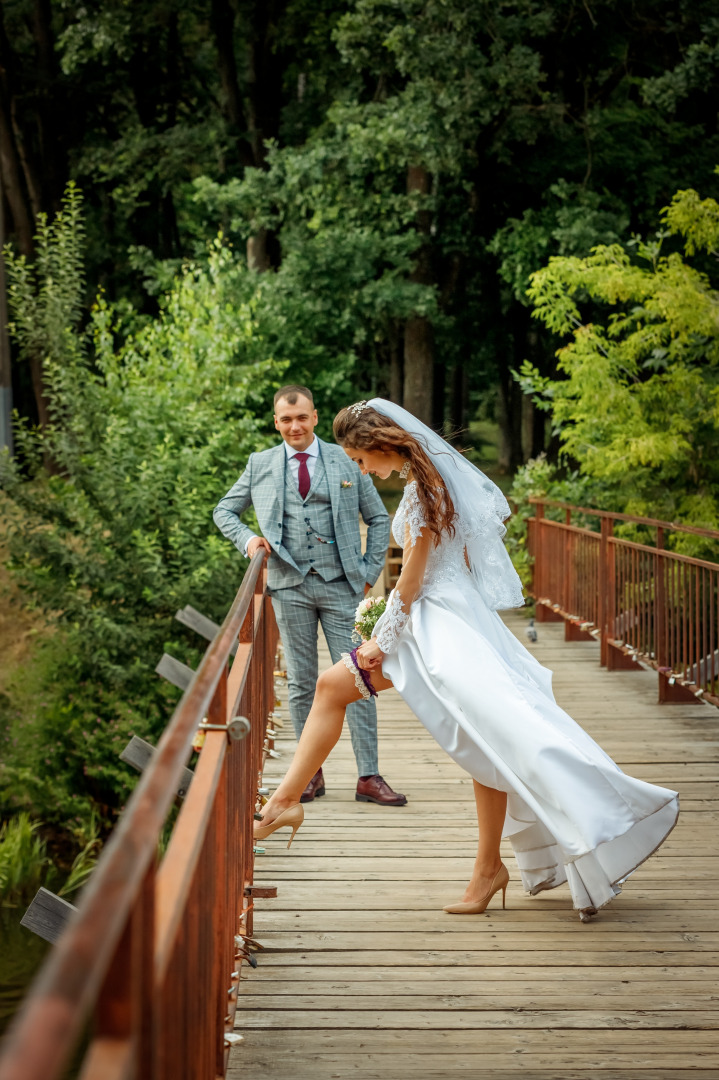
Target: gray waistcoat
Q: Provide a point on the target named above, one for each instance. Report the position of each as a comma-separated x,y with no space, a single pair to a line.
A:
306,550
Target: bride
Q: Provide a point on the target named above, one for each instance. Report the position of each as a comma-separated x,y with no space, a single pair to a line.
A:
571,814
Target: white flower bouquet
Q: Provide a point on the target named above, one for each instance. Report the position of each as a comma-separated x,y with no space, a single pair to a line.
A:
367,614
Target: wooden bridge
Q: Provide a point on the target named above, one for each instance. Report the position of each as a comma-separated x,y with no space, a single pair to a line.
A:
364,976
361,974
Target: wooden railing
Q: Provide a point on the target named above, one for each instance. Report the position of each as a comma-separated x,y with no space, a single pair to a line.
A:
147,968
645,604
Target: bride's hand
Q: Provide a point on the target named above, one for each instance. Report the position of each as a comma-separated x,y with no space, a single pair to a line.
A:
369,655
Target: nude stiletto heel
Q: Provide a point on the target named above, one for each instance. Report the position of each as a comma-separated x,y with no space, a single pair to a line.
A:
476,907
292,816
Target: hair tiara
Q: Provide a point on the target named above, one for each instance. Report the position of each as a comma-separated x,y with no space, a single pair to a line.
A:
359,407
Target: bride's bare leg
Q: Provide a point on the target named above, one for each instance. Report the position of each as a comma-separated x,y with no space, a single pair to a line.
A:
335,690
491,810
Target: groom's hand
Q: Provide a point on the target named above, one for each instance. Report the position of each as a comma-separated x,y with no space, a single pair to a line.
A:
367,588
255,543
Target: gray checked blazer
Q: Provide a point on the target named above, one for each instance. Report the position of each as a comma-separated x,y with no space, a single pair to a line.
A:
262,485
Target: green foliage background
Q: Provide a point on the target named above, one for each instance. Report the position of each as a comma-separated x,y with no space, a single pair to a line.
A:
636,405
148,429
550,137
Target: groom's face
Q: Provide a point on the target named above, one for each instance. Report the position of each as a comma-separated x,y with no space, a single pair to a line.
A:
296,423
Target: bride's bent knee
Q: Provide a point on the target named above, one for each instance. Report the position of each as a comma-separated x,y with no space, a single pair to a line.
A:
329,681
336,683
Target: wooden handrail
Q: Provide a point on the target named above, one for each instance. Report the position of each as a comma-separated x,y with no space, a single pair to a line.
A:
647,606
109,956
612,515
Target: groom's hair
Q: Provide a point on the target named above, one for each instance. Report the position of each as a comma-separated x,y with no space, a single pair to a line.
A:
291,393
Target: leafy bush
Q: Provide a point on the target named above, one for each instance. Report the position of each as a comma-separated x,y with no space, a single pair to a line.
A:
147,431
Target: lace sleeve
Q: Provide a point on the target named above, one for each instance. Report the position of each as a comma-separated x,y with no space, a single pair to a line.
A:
393,623
414,562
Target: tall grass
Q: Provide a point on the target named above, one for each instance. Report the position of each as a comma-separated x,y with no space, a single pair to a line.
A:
25,864
24,861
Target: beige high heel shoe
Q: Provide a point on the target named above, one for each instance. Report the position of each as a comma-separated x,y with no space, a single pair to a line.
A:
292,816
476,907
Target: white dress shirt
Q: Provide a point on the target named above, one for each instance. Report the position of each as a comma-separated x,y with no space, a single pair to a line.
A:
294,466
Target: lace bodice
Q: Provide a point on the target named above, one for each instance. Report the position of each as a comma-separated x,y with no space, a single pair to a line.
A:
445,563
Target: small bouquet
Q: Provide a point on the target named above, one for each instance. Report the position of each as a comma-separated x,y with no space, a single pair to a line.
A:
366,616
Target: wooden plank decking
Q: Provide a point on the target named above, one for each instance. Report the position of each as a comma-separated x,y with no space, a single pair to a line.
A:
364,976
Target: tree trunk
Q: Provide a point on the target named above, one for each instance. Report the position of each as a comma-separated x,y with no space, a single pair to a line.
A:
222,17
538,441
459,396
46,169
21,179
258,257
439,396
528,422
396,373
418,368
418,335
264,81
262,108
509,417
22,223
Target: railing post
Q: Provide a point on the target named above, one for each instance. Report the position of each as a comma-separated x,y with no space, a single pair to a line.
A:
567,582
611,597
538,569
660,612
223,915
603,587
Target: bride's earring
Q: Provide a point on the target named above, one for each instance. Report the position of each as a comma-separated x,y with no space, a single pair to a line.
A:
404,471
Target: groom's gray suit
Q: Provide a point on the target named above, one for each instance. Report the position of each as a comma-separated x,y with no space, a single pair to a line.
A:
316,569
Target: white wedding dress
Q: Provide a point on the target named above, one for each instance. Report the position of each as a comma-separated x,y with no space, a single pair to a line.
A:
572,814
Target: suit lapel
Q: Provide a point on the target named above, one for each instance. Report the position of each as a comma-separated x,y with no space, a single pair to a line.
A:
333,482
279,465
320,471
278,477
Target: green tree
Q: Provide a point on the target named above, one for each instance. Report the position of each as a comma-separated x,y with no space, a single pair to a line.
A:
637,403
454,126
147,430
451,131
133,101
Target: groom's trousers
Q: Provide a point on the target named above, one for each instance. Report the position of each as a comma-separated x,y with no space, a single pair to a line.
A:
298,610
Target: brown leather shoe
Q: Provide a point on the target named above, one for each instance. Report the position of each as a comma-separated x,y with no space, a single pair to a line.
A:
315,788
376,789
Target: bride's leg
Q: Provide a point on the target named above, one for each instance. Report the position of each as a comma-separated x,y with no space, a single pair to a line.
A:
336,688
491,810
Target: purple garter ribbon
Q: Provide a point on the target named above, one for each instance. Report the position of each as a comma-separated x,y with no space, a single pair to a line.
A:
363,674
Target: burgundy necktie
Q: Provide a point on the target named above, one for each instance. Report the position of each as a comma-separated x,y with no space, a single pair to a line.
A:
303,477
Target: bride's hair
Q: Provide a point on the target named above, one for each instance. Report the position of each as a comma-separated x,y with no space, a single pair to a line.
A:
366,429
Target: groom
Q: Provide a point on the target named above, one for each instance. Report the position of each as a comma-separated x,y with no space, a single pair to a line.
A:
308,495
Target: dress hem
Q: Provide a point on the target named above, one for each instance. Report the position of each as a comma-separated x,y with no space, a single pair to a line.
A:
547,886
